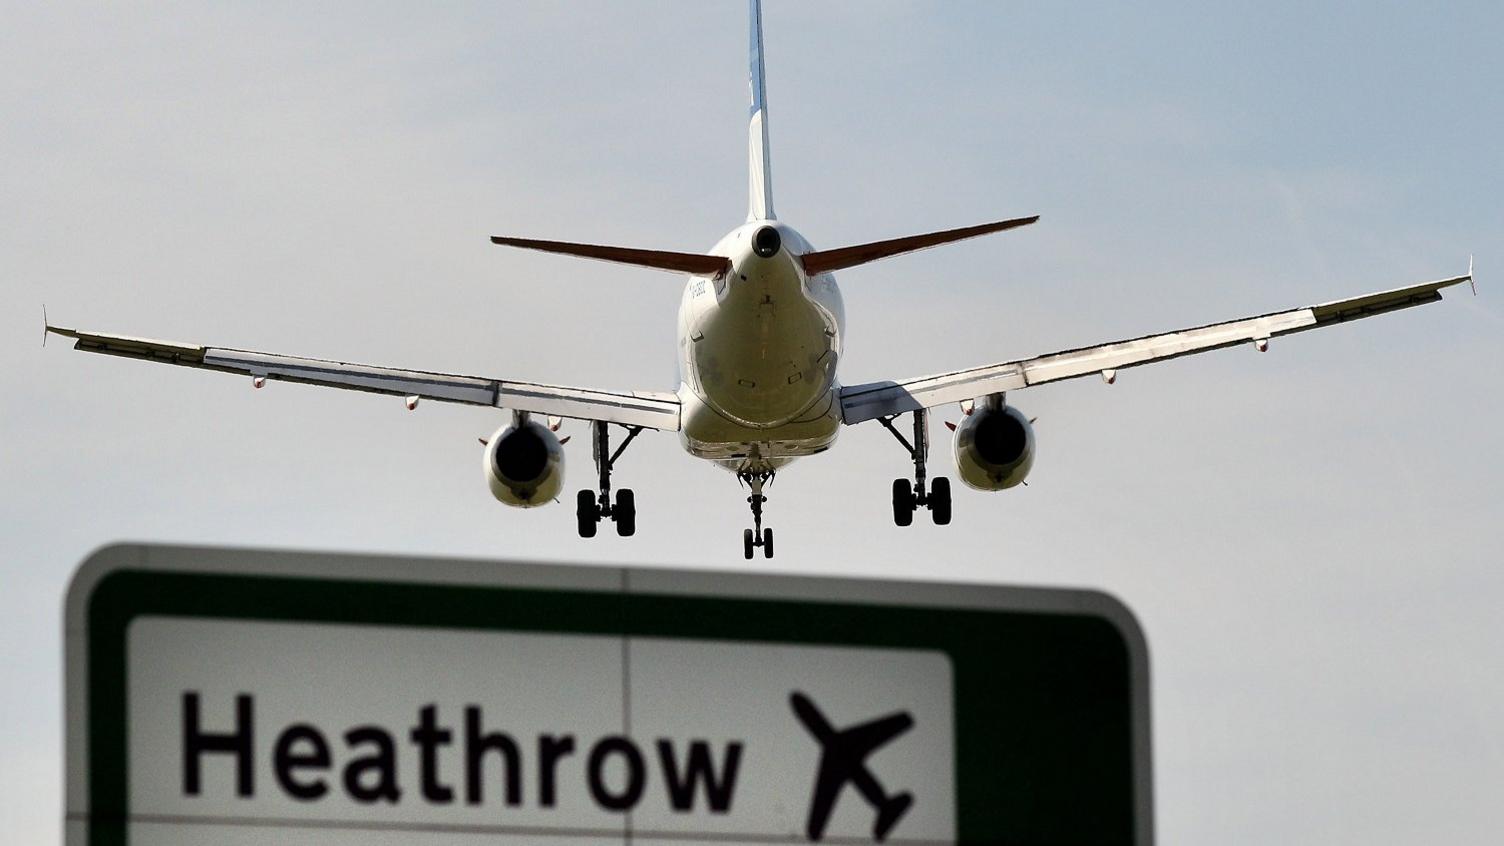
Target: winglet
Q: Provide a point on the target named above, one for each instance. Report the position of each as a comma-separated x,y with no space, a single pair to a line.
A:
1471,283
49,329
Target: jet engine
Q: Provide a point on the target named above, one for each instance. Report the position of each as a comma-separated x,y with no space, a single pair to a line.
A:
994,445
524,463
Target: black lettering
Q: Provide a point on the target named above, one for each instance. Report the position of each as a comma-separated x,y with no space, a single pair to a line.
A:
429,738
699,767
476,746
196,743
550,750
285,760
625,800
383,763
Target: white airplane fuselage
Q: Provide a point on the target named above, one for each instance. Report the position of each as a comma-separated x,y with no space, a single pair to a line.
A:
758,348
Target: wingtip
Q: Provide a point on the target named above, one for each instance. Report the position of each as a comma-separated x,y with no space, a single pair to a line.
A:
49,329
1471,282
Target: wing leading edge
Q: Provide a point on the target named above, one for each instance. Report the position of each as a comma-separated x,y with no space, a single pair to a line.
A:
652,410
880,399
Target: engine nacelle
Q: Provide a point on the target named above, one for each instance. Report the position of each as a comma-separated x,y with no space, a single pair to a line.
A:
994,446
524,463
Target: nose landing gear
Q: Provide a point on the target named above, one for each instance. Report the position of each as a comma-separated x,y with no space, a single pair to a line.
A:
756,537
592,507
909,497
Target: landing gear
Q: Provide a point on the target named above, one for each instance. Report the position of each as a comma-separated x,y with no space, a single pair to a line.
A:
751,541
591,507
756,537
908,496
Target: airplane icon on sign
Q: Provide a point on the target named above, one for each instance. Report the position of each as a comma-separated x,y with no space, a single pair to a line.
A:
843,759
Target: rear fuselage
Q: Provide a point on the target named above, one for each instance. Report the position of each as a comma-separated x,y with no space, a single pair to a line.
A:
758,348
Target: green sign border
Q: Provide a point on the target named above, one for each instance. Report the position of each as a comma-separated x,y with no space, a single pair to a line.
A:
1043,700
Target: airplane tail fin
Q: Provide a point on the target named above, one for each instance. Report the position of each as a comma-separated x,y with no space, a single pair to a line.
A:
759,160
890,813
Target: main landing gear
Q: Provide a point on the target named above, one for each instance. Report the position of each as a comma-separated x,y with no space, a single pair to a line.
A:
590,507
756,537
908,496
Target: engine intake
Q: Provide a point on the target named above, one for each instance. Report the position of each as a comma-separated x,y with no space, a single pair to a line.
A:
524,463
994,446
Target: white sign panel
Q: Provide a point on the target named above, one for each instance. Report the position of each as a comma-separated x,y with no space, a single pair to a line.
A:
239,697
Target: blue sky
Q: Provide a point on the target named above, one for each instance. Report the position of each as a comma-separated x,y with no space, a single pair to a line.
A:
1310,537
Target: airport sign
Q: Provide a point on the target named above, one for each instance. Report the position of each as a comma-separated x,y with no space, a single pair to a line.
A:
235,696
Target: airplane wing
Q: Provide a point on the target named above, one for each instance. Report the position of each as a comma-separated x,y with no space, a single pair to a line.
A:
828,782
881,399
858,742
651,410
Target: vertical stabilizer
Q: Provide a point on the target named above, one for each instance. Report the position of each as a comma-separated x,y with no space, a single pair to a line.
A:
759,168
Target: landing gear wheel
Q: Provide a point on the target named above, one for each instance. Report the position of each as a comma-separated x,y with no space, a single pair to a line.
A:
940,501
756,536
625,513
903,502
909,496
592,506
587,513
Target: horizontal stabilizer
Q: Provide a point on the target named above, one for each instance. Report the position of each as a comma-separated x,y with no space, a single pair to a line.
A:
826,261
692,263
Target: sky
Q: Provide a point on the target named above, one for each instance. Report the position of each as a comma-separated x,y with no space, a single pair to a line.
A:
1309,537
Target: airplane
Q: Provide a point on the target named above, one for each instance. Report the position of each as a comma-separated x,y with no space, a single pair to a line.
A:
761,328
843,756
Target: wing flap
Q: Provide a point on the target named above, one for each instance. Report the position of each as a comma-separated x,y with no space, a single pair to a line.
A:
649,409
1385,301
652,410
170,352
1116,356
881,399
355,377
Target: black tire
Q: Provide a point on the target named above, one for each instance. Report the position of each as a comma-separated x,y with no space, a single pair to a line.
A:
626,513
767,543
586,513
903,502
940,501
747,544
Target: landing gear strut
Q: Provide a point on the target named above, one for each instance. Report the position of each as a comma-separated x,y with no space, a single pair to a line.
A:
757,536
908,496
592,507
